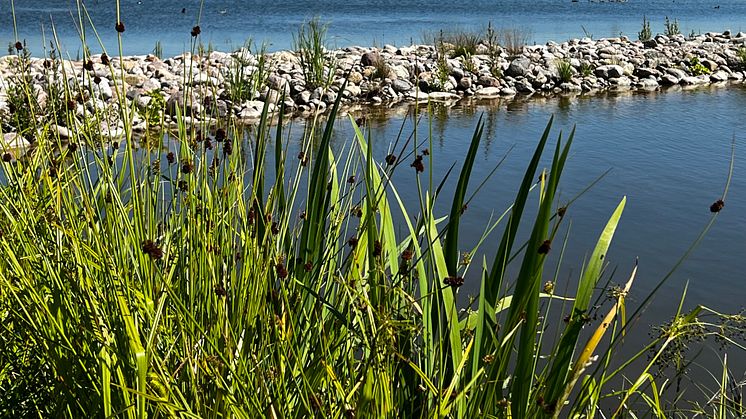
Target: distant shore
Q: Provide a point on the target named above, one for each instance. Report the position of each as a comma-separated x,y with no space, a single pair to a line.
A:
208,85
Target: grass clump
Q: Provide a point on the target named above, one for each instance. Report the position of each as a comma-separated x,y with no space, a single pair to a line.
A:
493,50
246,74
564,70
671,27
645,33
586,68
514,39
310,45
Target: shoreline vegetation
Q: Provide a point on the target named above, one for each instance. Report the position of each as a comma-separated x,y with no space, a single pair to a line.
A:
213,85
211,274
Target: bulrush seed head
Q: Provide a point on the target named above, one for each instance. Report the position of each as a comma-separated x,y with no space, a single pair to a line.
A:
196,31
390,159
220,134
151,249
419,167
545,247
119,27
717,206
104,59
88,65
19,46
454,281
282,273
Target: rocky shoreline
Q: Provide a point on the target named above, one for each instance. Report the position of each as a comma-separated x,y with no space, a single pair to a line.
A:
206,85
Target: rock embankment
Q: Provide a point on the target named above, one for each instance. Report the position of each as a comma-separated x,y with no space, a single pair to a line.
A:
219,85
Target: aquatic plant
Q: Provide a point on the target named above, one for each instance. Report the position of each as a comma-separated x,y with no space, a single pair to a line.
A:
696,67
158,49
493,50
514,39
586,68
672,27
645,33
310,46
247,74
564,70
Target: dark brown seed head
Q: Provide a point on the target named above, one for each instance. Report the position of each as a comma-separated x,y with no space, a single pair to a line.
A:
151,249
104,59
72,147
275,228
19,46
47,63
561,211
390,159
183,185
454,281
282,273
228,147
170,157
187,168
377,248
7,158
302,215
303,158
88,65
115,145
419,167
308,266
717,206
196,31
351,179
71,104
352,242
208,144
119,27
220,290
426,152
97,80
545,247
361,121
220,134
406,254
464,208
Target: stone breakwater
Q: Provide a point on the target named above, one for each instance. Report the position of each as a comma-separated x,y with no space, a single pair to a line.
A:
205,85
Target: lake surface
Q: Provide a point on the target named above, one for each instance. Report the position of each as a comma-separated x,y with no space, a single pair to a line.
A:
668,153
227,24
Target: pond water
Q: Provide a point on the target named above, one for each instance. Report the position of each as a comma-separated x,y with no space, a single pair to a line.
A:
227,24
668,153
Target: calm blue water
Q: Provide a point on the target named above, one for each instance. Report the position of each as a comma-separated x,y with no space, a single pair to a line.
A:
228,24
668,153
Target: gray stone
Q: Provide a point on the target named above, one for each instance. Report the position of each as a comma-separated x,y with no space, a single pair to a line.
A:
465,83
519,67
669,80
401,85
719,76
12,141
488,92
609,71
644,72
